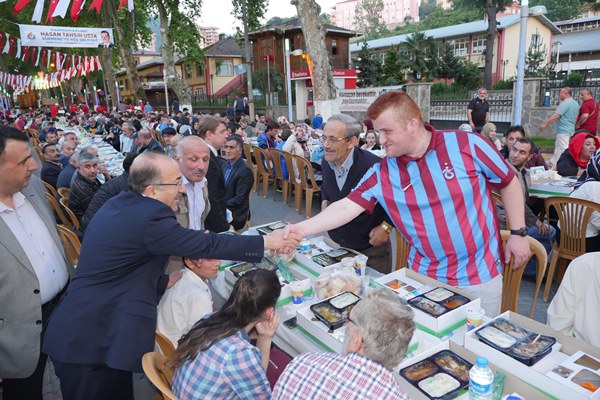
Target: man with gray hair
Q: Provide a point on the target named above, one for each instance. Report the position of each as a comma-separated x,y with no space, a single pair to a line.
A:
106,322
378,331
565,117
149,143
345,165
84,184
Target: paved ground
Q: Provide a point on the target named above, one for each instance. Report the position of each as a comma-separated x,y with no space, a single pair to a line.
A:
269,210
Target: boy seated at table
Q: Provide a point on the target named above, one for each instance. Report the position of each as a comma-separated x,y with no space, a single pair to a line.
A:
188,300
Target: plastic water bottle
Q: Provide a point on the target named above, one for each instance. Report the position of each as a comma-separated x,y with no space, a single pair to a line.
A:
481,378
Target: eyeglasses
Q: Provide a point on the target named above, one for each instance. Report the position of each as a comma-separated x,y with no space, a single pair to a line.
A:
333,139
180,183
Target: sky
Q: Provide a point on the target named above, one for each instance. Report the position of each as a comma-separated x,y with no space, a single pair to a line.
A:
218,12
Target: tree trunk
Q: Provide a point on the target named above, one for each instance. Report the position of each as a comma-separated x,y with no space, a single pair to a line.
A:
107,67
248,58
324,93
173,80
490,9
126,54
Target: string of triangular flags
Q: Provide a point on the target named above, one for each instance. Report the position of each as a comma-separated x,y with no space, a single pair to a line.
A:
58,8
53,79
40,56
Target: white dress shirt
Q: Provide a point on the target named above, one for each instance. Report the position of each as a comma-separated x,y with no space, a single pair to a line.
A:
183,305
34,237
196,203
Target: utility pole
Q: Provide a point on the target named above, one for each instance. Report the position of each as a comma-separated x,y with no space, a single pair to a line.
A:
248,58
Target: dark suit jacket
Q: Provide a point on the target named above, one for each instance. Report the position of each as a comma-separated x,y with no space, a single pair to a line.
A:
237,192
355,234
50,172
108,314
216,220
154,145
20,301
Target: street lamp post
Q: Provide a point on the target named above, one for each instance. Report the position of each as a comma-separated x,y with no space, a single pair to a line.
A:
504,62
166,88
288,79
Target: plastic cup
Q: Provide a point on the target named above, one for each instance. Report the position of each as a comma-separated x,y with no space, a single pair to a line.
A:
360,264
474,317
296,291
348,262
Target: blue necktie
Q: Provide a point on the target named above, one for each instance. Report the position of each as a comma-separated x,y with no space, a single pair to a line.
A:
228,172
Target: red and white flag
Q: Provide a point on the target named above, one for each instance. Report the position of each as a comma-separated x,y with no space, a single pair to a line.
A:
76,8
61,8
51,9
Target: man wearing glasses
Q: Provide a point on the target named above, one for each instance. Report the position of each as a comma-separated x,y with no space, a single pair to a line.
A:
345,165
106,322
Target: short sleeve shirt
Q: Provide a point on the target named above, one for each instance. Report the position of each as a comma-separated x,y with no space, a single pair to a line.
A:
591,108
442,204
567,110
480,108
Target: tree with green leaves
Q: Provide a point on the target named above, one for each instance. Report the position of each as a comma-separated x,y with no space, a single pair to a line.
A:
392,72
536,61
367,18
178,31
368,66
420,56
491,8
450,65
559,10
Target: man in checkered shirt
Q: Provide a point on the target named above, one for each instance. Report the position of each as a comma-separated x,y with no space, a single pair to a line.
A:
378,331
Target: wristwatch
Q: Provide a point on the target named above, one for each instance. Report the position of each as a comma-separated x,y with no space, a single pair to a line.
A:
386,227
521,232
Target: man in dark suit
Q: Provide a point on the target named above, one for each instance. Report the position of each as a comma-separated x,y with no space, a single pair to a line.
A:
33,272
149,143
106,43
238,182
107,319
343,167
214,132
51,166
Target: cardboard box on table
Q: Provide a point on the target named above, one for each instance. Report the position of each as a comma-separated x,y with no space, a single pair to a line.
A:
304,274
536,374
319,333
321,244
512,384
445,323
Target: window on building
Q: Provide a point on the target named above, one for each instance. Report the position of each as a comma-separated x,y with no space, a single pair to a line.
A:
536,40
199,70
334,46
478,44
460,46
224,67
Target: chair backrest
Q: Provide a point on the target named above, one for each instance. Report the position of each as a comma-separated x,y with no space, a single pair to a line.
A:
263,163
249,157
164,343
49,188
276,158
289,161
71,242
498,199
62,217
573,217
64,192
159,373
64,201
511,278
402,250
307,173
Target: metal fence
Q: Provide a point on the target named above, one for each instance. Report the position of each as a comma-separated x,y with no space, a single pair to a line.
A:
456,110
204,100
549,95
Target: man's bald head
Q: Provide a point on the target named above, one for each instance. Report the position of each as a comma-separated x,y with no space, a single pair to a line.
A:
146,170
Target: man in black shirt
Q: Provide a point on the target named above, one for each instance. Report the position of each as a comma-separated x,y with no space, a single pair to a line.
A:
478,111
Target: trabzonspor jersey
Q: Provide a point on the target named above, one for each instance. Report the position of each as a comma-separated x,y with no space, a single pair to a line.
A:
442,204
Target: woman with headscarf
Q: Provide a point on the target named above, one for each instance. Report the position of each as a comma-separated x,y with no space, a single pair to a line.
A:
575,159
588,188
489,132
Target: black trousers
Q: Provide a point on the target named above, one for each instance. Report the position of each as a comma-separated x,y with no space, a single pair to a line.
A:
30,388
93,382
